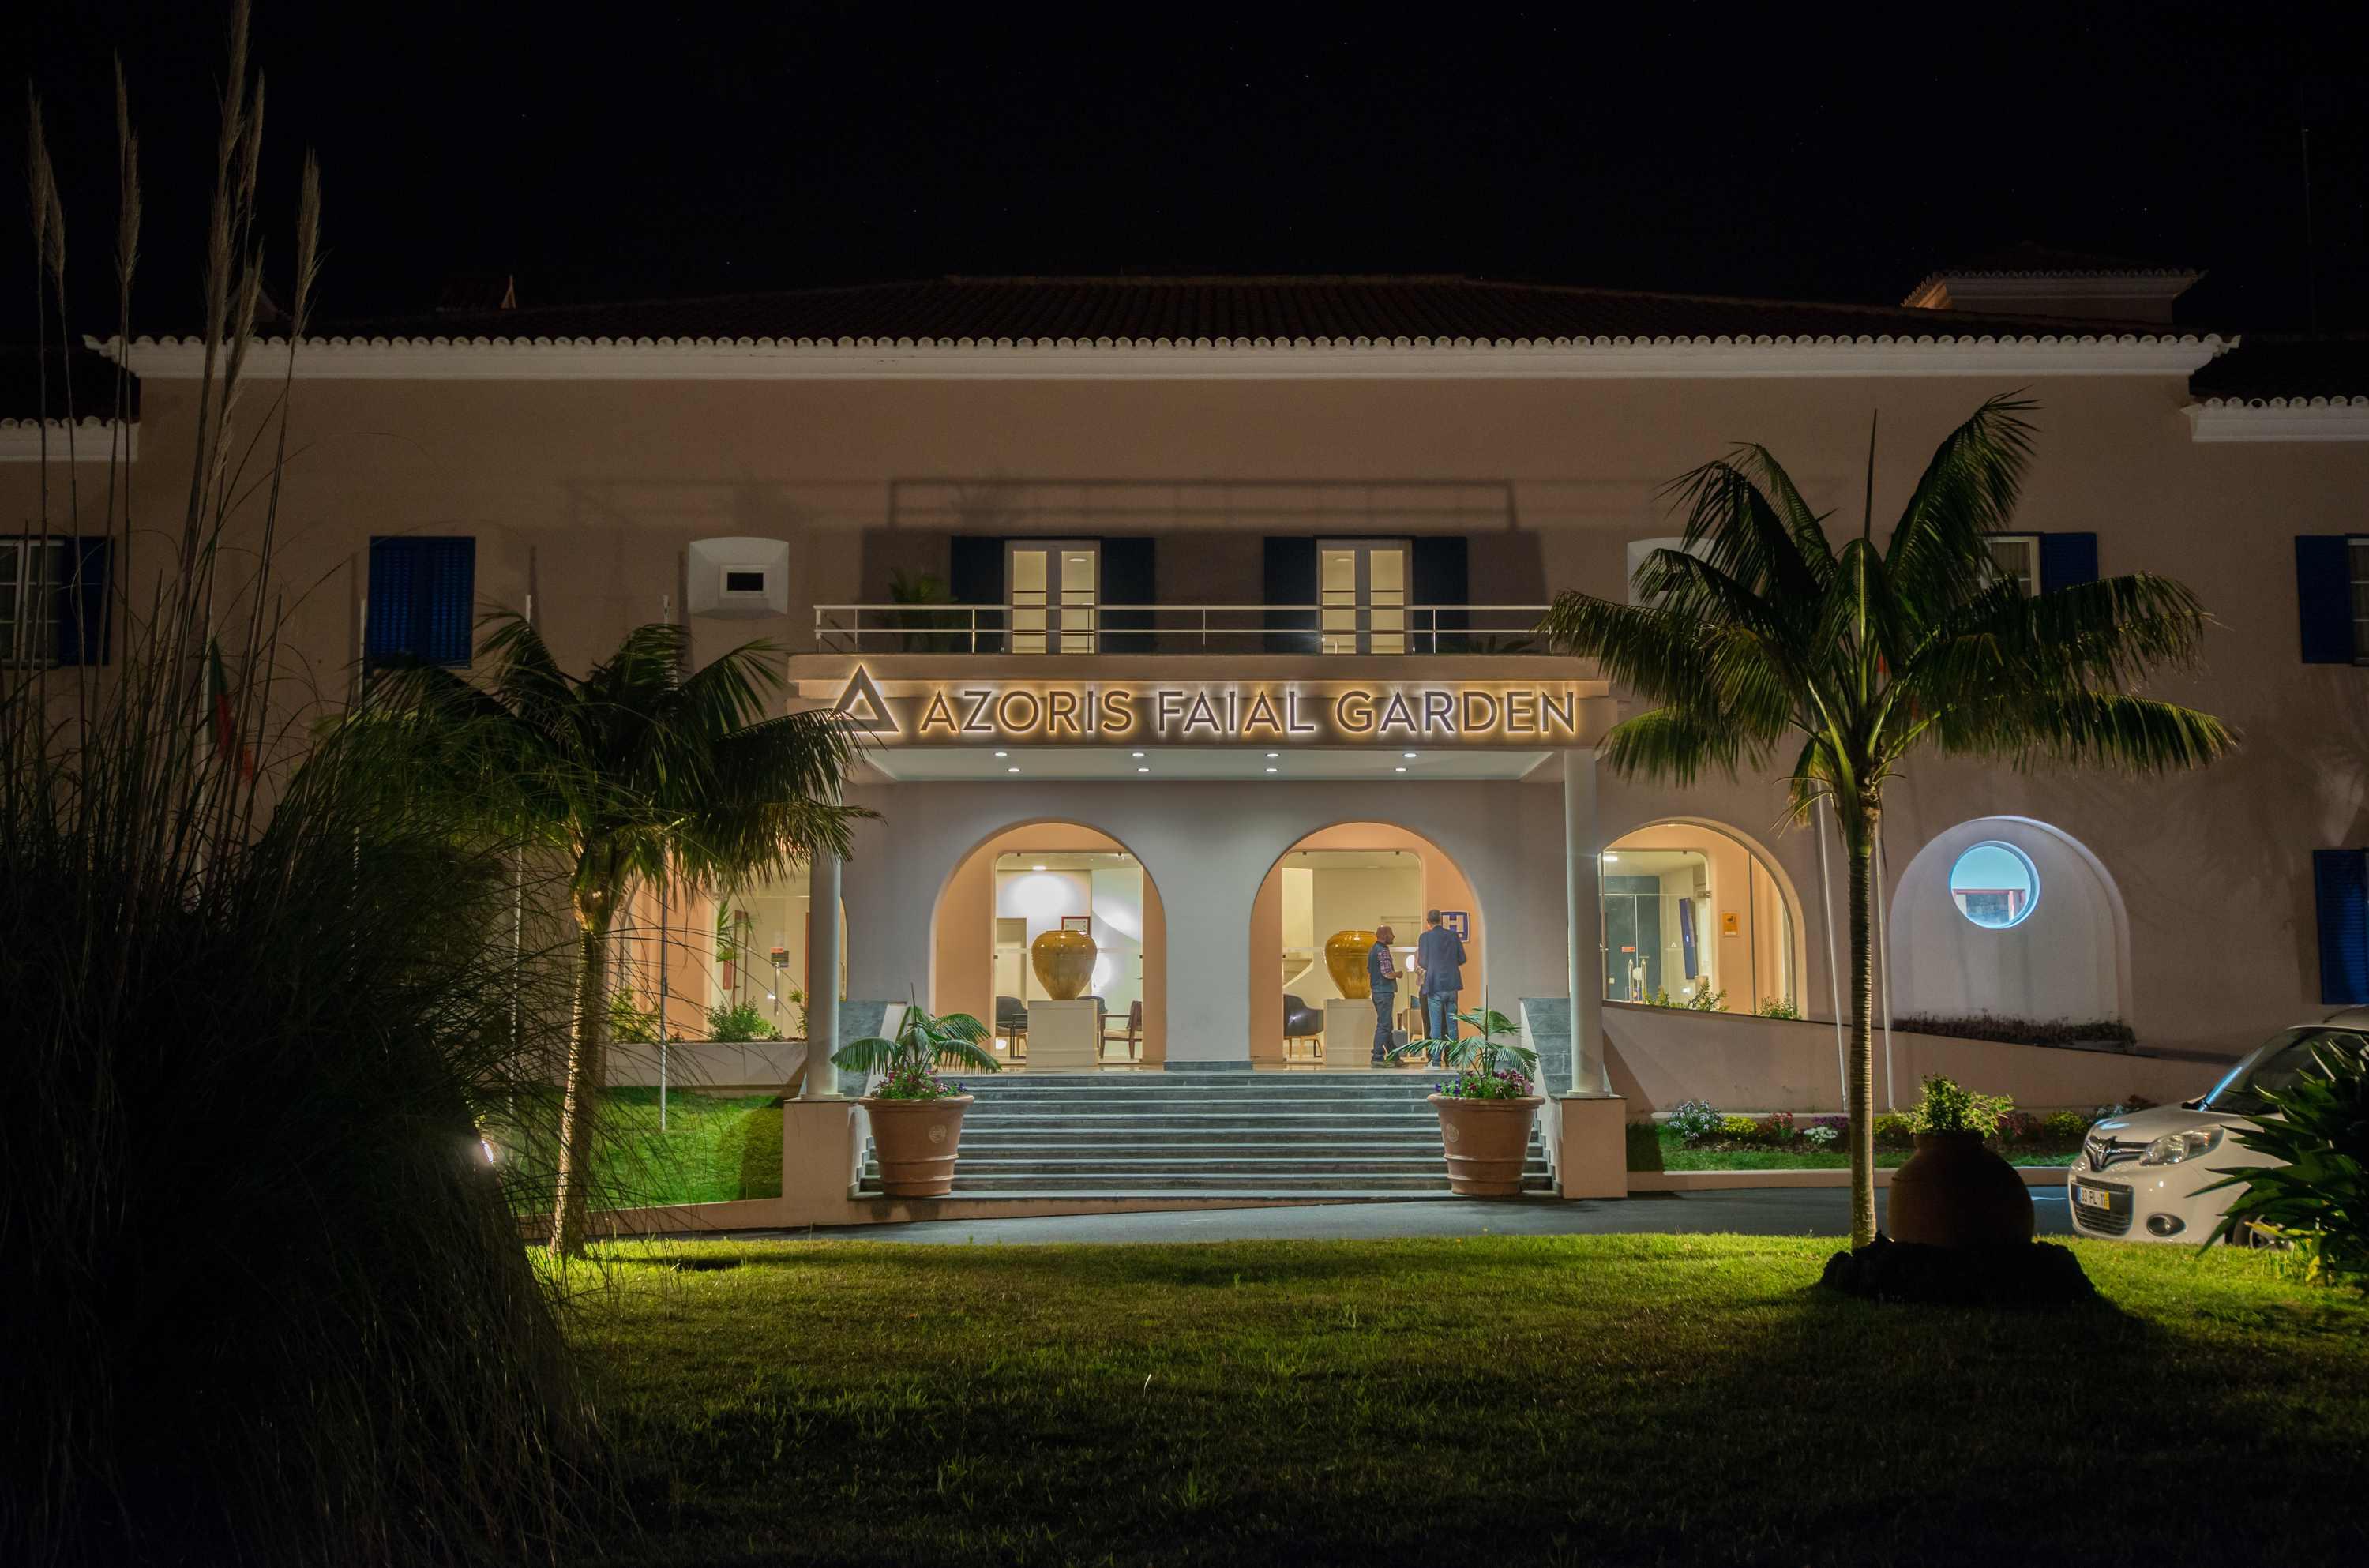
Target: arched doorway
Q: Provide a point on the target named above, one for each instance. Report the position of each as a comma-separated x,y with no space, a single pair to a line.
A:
2011,917
1353,876
1696,913
735,959
1024,880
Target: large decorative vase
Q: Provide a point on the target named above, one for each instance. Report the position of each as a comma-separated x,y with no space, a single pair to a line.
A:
1487,1142
1345,956
1955,1193
916,1140
1064,962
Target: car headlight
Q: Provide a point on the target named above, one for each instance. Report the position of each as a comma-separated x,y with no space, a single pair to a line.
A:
2174,1147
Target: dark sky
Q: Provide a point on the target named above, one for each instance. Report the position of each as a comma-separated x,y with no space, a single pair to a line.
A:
1796,151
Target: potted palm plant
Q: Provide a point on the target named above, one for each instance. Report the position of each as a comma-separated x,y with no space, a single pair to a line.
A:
1486,1110
916,1115
1953,1191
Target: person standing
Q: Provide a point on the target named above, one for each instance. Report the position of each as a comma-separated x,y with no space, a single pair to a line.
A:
1439,953
1383,980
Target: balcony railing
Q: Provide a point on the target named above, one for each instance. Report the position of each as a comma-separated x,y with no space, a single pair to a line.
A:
1180,629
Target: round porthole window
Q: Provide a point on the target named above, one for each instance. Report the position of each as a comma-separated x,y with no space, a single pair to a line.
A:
1995,885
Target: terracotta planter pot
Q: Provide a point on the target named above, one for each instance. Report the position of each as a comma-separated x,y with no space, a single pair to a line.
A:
1955,1193
916,1140
1487,1141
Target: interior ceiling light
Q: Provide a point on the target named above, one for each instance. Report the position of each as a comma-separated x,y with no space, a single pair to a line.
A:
1037,868
1142,770
1011,770
1003,753
1270,770
1401,768
1613,857
1408,755
1135,753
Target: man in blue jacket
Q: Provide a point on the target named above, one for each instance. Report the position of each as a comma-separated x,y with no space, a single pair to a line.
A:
1439,953
1382,979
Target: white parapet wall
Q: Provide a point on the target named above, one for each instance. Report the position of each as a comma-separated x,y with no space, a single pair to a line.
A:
1660,1056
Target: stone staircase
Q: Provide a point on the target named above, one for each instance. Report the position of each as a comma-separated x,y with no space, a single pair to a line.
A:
1256,1137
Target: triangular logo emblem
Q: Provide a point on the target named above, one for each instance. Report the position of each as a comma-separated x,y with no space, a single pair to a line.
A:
862,707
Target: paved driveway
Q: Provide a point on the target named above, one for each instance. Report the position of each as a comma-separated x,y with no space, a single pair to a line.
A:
1796,1212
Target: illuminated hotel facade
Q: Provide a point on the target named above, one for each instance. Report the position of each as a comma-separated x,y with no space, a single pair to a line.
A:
1197,614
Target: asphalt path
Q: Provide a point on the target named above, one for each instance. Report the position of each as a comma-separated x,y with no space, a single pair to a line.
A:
1768,1211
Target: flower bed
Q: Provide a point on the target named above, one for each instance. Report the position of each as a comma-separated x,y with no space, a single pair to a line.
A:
1699,1136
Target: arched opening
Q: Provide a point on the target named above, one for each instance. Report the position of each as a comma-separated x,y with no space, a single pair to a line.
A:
1696,915
2009,918
1022,882
1351,877
734,964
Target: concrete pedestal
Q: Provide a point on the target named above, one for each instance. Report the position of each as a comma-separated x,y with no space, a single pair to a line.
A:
1590,1134
1065,1036
1348,1033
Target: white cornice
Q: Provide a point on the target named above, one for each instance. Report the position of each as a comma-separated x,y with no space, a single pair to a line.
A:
1940,354
2279,419
86,441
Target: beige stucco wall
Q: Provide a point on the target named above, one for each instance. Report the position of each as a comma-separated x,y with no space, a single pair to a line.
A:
606,482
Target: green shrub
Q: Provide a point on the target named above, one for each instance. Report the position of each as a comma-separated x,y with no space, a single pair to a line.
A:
2020,1031
2064,1126
1893,1131
738,1024
1705,1000
2318,1197
1779,1007
629,1023
1946,1107
1693,1120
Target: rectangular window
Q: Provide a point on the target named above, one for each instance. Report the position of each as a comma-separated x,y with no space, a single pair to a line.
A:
2356,551
2017,555
1362,594
423,594
52,600
1052,587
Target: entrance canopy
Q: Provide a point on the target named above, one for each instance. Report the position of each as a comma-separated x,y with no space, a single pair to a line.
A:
925,717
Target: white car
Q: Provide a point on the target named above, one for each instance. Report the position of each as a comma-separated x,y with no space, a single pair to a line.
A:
2138,1175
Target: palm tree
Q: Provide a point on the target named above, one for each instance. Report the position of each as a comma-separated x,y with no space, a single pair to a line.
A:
635,772
1758,632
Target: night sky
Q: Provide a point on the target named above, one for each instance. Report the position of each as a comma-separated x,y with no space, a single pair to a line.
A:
1807,153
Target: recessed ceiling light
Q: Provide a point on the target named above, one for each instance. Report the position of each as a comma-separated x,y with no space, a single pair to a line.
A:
1135,753
1612,857
1270,770
1003,753
1398,769
1016,770
1035,868
1142,770
1408,755
1271,754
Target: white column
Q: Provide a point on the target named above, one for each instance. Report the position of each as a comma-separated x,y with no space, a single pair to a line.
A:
822,977
1583,894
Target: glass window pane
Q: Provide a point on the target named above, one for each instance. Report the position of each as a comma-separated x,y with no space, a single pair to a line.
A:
1995,885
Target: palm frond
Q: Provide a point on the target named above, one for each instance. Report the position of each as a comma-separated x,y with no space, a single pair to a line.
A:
2109,729
1736,527
1673,744
1940,548
1645,648
867,1055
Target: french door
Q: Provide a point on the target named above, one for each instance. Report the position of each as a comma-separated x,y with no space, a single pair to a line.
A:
1362,591
1052,586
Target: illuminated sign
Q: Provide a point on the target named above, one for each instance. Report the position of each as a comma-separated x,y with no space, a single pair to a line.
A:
1228,713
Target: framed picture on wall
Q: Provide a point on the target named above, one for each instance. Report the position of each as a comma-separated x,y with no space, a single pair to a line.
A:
1082,924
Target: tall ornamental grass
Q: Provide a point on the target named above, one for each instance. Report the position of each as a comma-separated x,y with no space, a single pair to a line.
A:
266,1299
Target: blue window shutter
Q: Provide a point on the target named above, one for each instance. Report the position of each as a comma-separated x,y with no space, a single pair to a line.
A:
1290,577
1440,574
2067,559
977,577
1126,579
2324,597
82,603
423,595
448,610
2341,887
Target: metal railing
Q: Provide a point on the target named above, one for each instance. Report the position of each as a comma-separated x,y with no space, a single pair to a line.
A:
1180,629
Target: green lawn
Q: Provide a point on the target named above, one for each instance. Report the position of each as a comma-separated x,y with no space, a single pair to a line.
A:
1658,1149
1626,1399
715,1148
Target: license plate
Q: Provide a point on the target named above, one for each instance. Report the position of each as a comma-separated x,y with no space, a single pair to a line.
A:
2092,1198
